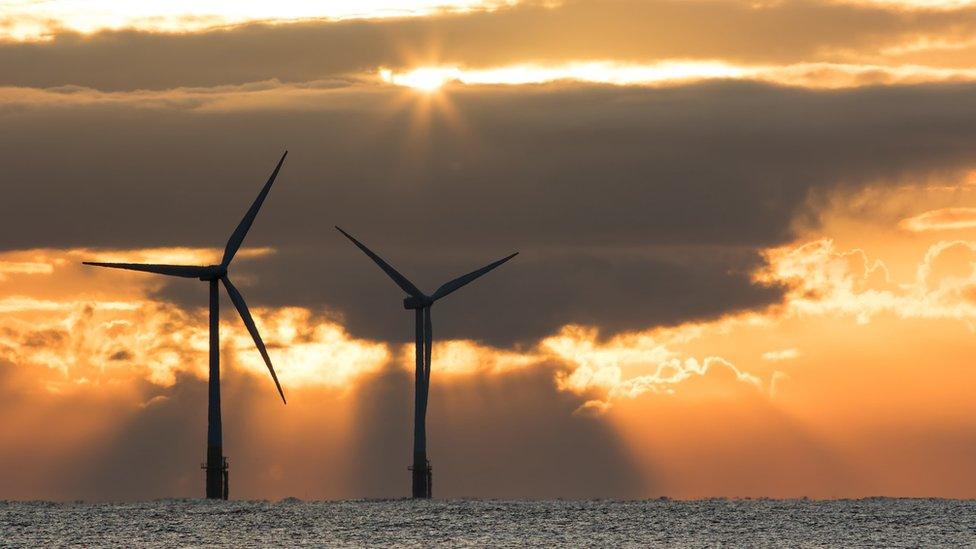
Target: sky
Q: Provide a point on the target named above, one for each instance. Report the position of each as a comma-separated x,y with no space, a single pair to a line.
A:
747,236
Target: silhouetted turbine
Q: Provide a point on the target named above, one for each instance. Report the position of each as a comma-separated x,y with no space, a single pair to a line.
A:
217,487
421,303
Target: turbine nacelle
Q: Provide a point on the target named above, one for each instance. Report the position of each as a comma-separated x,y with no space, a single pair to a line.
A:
214,272
412,302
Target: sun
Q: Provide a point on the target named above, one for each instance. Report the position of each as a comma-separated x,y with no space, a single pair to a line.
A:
429,109
427,79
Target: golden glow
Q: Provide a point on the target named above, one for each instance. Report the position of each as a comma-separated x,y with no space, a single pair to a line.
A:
825,280
462,357
171,256
306,351
871,341
914,4
872,338
84,324
810,75
38,19
20,304
783,354
428,80
24,267
425,79
432,78
629,365
944,219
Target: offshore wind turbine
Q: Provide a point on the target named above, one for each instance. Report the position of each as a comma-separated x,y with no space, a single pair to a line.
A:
216,467
421,304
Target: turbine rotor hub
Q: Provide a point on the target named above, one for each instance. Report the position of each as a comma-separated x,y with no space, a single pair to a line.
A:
214,272
412,302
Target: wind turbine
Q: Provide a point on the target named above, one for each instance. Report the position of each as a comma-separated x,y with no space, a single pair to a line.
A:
421,304
217,487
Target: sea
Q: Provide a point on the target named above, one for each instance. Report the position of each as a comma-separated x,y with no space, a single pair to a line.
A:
872,522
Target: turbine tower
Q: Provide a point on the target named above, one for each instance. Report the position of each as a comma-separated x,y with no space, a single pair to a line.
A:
421,304
216,467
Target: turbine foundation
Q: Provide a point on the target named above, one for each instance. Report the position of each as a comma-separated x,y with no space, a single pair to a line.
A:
422,477
217,476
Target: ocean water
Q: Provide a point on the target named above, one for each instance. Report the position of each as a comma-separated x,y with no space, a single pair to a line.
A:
875,522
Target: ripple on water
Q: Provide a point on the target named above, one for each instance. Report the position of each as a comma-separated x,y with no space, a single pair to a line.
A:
293,522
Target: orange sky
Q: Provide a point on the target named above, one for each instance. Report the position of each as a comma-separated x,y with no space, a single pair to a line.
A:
852,380
857,384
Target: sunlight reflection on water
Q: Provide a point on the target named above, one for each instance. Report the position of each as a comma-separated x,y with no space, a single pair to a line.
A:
291,522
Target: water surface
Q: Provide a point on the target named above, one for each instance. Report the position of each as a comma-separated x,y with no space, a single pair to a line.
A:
775,523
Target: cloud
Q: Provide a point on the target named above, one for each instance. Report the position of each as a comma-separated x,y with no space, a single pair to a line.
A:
79,343
308,350
619,220
534,32
944,219
825,281
783,354
29,21
669,73
15,267
83,340
915,4
617,368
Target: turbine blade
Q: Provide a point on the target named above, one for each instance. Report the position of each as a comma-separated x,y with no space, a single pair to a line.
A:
185,271
234,243
238,300
460,281
400,280
428,347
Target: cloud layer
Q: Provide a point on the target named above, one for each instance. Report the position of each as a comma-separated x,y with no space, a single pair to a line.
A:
630,206
634,31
